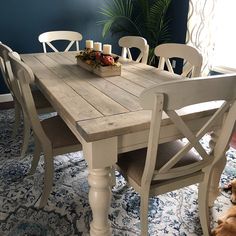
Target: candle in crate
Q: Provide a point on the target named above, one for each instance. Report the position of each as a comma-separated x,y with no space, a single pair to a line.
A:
107,49
89,44
97,47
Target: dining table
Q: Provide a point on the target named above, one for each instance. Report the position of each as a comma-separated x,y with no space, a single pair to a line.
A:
105,115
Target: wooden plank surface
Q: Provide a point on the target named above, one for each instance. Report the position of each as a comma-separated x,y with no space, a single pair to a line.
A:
98,107
96,98
120,96
122,124
65,100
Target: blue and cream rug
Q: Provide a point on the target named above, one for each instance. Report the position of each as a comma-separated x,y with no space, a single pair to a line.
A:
68,211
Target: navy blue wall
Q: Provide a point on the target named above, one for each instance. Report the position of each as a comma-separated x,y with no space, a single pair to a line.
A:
22,21
178,14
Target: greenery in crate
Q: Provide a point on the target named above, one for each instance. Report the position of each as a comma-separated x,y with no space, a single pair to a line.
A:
97,59
145,18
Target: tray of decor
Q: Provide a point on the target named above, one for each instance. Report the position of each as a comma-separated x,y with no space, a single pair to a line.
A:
98,62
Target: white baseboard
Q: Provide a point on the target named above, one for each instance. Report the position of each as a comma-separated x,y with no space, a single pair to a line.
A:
6,97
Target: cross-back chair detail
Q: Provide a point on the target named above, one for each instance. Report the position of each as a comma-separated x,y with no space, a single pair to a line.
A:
165,167
51,135
129,42
4,50
47,38
42,104
192,58
8,78
4,65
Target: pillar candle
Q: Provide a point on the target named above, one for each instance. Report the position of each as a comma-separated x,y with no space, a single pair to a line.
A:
97,47
107,49
89,44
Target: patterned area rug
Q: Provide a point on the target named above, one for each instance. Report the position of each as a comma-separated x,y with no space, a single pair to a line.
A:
68,211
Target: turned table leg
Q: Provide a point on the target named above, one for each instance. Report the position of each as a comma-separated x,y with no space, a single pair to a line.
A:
100,155
100,199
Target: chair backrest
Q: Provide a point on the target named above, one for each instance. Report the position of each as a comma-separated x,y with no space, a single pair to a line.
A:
4,50
48,37
6,69
192,58
23,77
129,42
172,96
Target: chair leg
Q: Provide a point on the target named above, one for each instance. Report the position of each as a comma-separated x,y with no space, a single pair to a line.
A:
17,118
36,157
48,179
203,204
144,213
26,136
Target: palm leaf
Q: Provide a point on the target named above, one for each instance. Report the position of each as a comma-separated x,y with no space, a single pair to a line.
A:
165,34
146,18
157,17
118,13
106,26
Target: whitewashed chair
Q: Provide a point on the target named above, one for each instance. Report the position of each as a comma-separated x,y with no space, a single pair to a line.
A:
162,168
4,49
52,136
41,103
48,37
129,42
192,58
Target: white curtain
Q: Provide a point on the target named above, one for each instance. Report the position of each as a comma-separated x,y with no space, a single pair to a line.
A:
200,29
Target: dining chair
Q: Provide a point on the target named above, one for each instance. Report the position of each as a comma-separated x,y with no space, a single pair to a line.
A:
165,167
51,135
41,103
4,49
192,58
128,42
47,37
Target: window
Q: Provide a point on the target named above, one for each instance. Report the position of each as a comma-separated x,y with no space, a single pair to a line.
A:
224,56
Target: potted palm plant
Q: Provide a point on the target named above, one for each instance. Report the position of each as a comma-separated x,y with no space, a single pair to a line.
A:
145,18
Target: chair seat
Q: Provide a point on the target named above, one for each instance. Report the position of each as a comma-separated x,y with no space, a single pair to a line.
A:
133,163
58,132
40,101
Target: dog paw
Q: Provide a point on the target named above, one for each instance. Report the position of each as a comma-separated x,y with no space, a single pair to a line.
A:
233,199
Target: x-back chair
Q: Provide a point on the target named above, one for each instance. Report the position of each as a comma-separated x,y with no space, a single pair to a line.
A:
129,42
192,58
162,168
52,136
47,38
41,103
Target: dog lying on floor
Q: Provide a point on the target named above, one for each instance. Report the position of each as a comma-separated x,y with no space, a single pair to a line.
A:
233,189
227,223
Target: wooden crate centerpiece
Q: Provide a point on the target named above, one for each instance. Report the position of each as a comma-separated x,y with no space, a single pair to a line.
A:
99,63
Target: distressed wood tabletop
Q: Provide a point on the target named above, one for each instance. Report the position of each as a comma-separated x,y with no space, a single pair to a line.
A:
98,107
